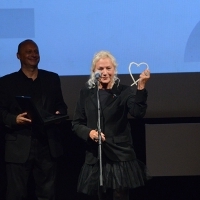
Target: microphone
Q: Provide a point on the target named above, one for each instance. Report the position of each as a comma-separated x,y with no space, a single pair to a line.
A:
97,74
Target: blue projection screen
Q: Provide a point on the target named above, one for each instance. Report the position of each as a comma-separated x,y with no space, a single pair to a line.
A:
165,34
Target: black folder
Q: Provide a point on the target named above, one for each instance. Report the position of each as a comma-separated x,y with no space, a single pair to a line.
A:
38,117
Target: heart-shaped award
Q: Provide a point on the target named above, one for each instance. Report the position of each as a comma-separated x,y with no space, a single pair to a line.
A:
137,65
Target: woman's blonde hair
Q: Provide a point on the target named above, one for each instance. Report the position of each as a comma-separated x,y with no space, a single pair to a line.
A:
96,58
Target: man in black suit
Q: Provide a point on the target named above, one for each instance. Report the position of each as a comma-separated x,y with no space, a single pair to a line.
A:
31,148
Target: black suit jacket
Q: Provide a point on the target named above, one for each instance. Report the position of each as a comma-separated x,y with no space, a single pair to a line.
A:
18,137
114,121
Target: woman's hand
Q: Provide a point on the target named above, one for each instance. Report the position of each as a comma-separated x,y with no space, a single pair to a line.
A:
94,136
144,77
22,119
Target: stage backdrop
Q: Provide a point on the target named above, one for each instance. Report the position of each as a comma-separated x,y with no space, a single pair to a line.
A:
164,34
169,95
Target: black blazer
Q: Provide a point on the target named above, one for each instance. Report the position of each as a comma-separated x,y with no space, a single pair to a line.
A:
114,121
18,137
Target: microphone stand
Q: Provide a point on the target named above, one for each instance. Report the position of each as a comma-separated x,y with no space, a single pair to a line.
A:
99,135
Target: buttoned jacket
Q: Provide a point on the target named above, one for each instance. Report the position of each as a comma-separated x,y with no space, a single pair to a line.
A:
18,137
122,101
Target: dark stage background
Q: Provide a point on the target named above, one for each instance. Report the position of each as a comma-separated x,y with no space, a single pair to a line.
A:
173,99
169,95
